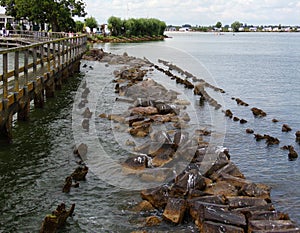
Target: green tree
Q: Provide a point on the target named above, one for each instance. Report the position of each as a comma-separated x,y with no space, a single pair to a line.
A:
235,26
91,22
79,26
218,24
58,13
115,25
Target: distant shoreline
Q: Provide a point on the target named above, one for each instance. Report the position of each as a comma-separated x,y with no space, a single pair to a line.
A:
122,39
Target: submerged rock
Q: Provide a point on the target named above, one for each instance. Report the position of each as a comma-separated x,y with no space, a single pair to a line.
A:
57,219
292,153
258,112
286,128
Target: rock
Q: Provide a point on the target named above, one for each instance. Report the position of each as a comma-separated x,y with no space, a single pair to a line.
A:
57,219
141,123
175,210
243,121
221,188
236,118
228,113
182,102
256,190
87,113
136,118
130,143
103,115
180,138
116,118
136,163
241,202
191,180
271,226
162,159
297,136
185,117
161,137
230,169
286,128
144,111
258,112
249,131
164,150
266,215
158,118
293,155
80,173
140,131
85,124
202,212
165,109
153,221
68,184
159,174
143,206
271,140
275,120
158,197
241,102
259,137
213,227
81,151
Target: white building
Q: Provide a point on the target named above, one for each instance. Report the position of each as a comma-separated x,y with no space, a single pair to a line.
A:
4,19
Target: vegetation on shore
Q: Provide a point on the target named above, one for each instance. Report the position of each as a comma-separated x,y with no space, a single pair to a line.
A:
58,14
127,30
94,38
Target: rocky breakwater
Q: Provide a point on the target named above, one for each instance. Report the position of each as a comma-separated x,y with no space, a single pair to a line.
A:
196,182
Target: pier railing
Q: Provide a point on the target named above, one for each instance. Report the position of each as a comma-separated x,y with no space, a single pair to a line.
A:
28,71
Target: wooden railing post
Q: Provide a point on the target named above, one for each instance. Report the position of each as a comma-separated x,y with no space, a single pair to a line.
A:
48,57
26,55
5,70
63,51
16,71
42,51
54,54
34,61
59,53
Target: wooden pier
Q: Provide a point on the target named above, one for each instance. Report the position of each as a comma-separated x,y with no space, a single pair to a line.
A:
31,72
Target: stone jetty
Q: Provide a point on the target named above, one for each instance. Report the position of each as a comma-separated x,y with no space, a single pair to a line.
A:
209,190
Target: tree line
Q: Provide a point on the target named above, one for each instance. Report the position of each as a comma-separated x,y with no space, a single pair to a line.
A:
58,14
136,27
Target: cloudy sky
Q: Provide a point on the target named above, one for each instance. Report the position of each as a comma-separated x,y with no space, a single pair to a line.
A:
200,12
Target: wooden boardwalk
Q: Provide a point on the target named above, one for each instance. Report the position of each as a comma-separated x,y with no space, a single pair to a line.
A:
36,70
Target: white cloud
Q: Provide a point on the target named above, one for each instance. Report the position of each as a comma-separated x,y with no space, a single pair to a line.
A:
196,12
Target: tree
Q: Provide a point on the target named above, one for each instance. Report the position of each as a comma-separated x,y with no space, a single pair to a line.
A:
115,25
58,13
91,22
218,24
79,26
235,26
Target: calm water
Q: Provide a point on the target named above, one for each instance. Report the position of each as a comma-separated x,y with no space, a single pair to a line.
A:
261,69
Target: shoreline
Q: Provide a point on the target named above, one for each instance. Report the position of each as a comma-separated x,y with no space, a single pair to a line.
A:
110,39
222,189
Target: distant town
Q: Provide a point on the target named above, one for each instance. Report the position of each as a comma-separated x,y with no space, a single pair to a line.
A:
234,27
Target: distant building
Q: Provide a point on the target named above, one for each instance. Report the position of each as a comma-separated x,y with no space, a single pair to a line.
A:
253,29
4,19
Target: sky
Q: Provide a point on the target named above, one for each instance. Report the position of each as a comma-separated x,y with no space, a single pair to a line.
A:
198,12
